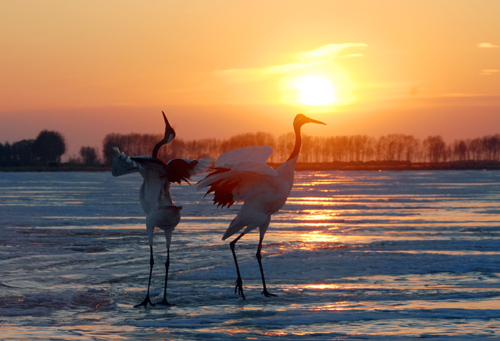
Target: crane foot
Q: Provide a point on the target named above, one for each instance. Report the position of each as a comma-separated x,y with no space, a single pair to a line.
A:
165,302
239,287
268,294
145,303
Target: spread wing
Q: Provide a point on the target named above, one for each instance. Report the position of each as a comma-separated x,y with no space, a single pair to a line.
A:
240,175
122,164
178,170
258,154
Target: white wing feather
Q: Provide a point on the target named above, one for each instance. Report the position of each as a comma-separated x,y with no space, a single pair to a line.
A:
122,164
239,172
246,154
205,164
250,185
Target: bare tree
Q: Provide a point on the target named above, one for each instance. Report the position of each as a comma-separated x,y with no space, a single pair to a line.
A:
89,155
460,150
435,148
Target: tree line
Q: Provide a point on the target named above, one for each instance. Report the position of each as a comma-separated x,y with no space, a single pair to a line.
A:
46,149
358,148
49,146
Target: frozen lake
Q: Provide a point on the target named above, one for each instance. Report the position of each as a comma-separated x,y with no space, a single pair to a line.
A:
352,255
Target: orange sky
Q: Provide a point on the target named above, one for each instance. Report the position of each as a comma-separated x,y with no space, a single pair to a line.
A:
219,68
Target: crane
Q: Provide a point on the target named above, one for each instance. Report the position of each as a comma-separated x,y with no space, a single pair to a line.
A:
242,175
154,195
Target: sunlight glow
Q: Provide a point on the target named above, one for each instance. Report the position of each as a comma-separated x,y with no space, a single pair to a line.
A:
316,91
321,90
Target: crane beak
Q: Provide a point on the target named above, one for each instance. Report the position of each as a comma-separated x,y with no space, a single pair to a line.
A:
301,119
310,120
169,131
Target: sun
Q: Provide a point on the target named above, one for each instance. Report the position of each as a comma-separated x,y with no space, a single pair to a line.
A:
316,90
321,90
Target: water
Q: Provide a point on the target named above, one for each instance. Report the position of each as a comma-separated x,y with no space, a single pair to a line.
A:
352,255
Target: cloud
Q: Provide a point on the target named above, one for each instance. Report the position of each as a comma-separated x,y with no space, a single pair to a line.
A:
487,45
307,60
328,51
489,72
286,68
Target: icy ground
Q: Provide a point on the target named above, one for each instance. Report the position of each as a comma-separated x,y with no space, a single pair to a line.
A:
352,255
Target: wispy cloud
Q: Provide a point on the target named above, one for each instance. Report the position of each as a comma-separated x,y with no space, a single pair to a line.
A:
329,51
487,45
307,60
489,72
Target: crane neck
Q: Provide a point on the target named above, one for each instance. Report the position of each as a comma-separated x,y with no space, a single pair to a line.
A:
298,143
157,147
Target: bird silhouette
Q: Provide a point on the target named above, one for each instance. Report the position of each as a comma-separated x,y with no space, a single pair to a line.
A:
154,195
242,175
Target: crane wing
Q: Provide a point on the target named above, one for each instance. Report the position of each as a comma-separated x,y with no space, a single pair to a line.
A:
241,182
122,164
246,154
183,169
176,170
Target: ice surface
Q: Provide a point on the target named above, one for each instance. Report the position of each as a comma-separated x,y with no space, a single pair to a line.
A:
352,255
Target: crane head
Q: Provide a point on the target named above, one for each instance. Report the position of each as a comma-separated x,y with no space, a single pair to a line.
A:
167,138
169,131
301,119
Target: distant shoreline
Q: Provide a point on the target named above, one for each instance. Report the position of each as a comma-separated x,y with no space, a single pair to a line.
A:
303,166
400,166
60,168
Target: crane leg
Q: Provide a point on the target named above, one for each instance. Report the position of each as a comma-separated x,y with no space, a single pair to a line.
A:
239,282
167,264
147,300
259,257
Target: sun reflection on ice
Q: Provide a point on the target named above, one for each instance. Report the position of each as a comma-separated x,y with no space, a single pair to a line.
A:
312,215
344,305
320,286
318,237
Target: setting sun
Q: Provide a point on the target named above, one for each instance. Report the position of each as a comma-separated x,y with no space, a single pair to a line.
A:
375,69
321,90
316,91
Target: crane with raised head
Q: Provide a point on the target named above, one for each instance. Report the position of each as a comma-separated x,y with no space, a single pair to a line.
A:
154,195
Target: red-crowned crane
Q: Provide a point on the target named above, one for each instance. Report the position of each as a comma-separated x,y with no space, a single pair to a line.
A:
155,197
242,175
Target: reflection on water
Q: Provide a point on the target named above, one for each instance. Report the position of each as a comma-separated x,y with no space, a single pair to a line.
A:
318,237
352,255
319,286
95,331
318,215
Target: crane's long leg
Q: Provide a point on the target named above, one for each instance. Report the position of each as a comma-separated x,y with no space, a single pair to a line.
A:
239,282
259,257
167,265
151,263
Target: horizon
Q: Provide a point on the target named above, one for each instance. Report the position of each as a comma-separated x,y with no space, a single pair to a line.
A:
392,67
366,147
73,147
